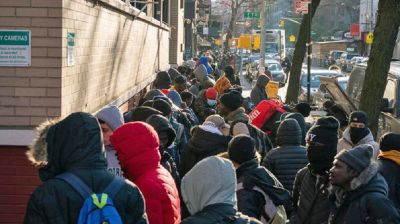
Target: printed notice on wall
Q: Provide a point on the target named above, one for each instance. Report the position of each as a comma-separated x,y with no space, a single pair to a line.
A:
15,48
70,48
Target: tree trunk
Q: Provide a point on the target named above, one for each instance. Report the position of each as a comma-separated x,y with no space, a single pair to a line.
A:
298,56
385,33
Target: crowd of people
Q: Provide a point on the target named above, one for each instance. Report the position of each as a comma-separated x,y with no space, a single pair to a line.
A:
189,153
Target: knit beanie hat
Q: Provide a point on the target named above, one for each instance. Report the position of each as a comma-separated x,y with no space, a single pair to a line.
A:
211,94
175,97
358,158
359,117
324,132
390,141
241,149
161,124
229,71
112,116
289,133
140,113
163,106
163,80
232,100
303,108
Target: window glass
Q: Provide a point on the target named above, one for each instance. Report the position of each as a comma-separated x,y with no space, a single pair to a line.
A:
390,92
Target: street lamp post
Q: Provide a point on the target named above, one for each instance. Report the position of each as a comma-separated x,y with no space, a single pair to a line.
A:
309,52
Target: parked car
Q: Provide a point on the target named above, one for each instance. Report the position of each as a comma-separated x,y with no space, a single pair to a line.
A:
349,100
355,61
274,67
344,60
314,81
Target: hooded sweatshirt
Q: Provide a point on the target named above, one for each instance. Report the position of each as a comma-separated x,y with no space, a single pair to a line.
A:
202,76
258,93
137,146
113,117
74,144
345,142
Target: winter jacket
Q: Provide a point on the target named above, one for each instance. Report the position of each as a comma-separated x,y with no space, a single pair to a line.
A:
262,142
137,146
289,157
366,202
310,198
258,92
75,145
345,142
233,79
209,193
202,144
391,172
251,202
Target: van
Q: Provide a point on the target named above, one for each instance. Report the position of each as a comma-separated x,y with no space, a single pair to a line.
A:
349,99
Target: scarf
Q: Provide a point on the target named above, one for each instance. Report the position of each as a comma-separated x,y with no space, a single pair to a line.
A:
393,155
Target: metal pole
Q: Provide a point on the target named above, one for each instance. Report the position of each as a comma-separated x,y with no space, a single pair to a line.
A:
262,35
309,55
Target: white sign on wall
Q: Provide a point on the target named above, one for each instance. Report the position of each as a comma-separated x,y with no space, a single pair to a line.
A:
15,48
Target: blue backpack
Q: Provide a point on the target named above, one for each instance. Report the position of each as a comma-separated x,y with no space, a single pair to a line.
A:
98,207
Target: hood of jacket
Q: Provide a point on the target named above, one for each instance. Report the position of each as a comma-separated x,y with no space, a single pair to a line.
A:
200,73
254,175
302,123
173,73
289,133
112,116
237,115
204,142
137,146
74,142
204,61
262,81
211,181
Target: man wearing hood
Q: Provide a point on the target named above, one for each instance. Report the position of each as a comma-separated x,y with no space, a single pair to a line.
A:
254,181
204,61
389,165
110,118
290,156
74,145
310,191
358,133
208,191
258,92
137,145
360,193
201,75
206,102
162,81
230,74
207,140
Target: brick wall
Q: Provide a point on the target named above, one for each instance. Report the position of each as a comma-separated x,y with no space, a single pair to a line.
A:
18,179
116,54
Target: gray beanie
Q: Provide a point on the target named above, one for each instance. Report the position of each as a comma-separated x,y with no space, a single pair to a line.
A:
112,116
358,158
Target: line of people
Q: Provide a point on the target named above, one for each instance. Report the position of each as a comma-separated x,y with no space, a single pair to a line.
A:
189,153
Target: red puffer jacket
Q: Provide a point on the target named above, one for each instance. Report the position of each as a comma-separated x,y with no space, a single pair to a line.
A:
137,146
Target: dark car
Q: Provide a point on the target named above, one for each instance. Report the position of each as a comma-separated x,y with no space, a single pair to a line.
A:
274,67
349,100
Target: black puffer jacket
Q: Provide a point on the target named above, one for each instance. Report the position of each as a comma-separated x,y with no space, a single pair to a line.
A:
219,214
367,203
311,203
75,145
289,157
250,202
202,144
391,172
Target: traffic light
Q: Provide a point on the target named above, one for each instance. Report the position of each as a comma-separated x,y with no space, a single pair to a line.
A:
256,41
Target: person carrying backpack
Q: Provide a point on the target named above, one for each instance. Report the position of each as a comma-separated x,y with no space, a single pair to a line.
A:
70,154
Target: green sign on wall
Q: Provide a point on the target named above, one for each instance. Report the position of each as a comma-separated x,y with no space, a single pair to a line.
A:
15,48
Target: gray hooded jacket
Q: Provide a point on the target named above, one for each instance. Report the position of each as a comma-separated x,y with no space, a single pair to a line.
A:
258,93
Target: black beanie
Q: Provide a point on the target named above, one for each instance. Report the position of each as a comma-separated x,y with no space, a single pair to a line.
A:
358,158
303,108
359,117
325,132
162,81
241,149
232,100
390,141
161,124
163,106
141,113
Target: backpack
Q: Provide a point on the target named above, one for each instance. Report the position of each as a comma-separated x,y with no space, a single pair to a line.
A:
272,214
97,207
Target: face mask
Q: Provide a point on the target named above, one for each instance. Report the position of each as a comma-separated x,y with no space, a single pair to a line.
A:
211,102
356,134
320,159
